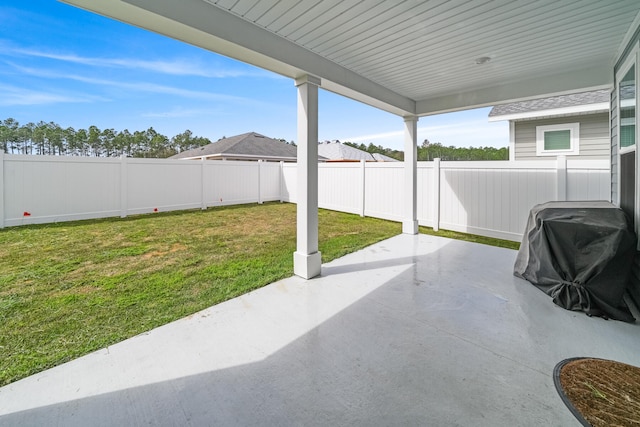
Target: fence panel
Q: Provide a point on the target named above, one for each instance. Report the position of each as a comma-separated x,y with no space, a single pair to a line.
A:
384,183
588,180
163,185
289,182
340,186
48,189
426,196
269,181
231,182
493,198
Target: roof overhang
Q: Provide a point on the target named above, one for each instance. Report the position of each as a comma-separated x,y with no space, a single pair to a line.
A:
400,62
198,23
601,107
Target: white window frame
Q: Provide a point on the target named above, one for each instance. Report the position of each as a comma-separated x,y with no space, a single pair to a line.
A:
574,139
630,62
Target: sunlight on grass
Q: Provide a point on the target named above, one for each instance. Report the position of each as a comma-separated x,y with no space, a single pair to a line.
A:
71,288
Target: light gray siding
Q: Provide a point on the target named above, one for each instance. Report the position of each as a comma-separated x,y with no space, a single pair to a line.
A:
594,136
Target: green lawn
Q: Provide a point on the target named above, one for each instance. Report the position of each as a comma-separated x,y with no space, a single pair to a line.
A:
72,288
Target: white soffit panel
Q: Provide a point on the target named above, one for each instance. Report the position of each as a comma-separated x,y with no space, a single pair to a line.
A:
406,56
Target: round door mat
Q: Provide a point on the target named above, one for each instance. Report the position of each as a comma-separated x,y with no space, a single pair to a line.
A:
599,392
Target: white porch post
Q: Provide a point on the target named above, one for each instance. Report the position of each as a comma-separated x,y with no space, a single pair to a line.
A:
512,140
306,259
410,211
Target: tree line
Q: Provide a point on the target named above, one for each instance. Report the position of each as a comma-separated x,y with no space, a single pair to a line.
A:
51,139
428,152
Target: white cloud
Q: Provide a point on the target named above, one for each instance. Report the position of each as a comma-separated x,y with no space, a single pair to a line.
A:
140,86
179,67
13,96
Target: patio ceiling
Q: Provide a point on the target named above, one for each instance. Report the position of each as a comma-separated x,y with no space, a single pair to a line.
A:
406,57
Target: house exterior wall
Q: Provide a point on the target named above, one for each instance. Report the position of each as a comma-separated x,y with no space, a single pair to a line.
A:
593,139
634,288
620,61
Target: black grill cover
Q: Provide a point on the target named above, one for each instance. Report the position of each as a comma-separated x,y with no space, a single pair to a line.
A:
579,253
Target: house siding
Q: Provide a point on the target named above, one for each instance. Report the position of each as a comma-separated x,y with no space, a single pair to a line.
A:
594,136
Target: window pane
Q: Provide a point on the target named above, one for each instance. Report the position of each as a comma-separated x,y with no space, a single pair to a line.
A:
627,95
627,136
557,140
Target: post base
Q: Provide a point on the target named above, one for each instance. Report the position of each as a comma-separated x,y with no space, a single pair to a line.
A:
307,266
410,227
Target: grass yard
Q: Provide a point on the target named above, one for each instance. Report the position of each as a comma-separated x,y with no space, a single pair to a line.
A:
72,288
471,238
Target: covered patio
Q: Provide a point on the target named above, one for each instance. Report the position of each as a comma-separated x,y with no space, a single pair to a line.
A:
414,330
410,58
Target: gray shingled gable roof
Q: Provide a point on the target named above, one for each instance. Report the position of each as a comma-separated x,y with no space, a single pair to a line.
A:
551,103
338,151
247,144
382,158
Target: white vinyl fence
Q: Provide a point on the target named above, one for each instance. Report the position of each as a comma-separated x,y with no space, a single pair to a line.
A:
44,189
486,198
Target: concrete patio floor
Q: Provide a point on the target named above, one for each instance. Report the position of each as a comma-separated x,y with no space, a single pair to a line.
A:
414,330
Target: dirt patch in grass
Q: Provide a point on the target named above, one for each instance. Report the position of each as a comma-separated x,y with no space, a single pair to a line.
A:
159,253
600,392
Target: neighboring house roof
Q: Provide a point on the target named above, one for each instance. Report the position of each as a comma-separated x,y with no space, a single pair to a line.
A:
577,103
248,146
335,151
382,158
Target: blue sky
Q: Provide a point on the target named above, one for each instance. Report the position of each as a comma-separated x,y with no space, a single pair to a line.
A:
62,64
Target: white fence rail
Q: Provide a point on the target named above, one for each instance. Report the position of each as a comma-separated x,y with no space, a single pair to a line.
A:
486,198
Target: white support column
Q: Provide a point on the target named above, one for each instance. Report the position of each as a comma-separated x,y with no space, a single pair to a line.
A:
512,140
561,174
1,188
307,259
410,211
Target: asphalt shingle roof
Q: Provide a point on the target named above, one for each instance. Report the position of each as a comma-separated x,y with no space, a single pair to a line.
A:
382,158
562,101
339,151
247,144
